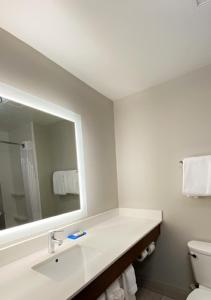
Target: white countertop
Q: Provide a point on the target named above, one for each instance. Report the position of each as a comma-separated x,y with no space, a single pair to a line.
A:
111,238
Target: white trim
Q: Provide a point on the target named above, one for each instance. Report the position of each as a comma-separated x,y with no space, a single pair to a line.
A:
27,230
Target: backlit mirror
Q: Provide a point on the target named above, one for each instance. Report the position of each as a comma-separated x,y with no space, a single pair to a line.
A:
39,165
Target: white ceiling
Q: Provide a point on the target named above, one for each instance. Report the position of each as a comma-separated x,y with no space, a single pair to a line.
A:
116,46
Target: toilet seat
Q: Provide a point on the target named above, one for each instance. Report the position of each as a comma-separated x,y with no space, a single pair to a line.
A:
200,294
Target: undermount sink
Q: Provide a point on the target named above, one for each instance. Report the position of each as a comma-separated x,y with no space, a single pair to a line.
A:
71,262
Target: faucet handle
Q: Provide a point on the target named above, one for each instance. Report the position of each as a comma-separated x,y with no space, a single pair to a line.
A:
59,230
53,232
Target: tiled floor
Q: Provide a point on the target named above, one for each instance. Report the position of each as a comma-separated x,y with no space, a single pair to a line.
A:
148,295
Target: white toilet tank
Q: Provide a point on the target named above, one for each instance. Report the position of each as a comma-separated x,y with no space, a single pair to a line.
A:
200,253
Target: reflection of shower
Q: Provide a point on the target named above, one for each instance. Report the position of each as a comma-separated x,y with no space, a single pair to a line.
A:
11,143
30,181
30,178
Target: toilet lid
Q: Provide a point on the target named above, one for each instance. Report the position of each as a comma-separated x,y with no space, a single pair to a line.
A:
200,294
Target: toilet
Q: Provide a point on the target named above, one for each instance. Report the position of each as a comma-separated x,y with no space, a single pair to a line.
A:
200,253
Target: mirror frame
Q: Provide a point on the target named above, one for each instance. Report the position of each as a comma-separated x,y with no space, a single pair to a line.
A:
30,230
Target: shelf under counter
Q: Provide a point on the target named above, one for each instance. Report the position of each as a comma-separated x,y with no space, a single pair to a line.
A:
104,280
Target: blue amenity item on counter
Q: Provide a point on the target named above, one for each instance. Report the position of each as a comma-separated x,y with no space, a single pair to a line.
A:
76,235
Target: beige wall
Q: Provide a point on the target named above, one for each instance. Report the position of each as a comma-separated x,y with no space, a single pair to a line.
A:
155,129
56,151
44,166
26,69
64,157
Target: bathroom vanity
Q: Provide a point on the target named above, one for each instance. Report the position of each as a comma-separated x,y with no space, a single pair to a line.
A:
102,282
84,268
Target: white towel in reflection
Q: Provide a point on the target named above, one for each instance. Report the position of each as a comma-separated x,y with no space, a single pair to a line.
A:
197,176
129,283
65,182
59,187
71,182
115,292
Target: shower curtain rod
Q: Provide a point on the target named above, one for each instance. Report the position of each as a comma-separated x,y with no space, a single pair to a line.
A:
11,143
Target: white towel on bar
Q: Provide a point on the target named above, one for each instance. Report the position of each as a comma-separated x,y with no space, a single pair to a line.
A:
115,292
129,283
197,176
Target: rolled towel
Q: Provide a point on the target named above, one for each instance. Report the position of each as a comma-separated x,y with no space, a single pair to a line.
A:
151,248
143,255
129,282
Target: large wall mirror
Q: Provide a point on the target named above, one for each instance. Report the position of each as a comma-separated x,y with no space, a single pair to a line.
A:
41,163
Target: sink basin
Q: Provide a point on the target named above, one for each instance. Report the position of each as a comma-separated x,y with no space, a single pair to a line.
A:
72,262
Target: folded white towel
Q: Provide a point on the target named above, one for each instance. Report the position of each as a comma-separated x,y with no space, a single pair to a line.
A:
197,176
129,282
115,292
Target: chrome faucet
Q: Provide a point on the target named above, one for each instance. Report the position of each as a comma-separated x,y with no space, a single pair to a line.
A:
52,240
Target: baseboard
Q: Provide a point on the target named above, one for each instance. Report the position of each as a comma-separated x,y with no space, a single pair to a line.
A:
163,289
